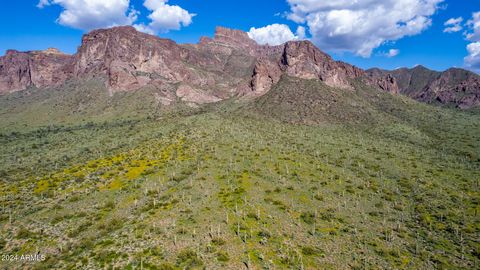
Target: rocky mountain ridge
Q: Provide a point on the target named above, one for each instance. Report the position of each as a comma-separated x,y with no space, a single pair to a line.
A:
454,86
228,65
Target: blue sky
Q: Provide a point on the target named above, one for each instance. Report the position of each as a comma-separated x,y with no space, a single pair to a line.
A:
395,36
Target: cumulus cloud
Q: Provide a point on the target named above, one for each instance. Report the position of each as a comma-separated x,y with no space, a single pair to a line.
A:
43,3
92,14
361,26
301,32
275,34
474,25
472,61
393,52
164,17
453,25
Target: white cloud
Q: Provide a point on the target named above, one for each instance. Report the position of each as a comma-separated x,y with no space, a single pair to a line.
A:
301,32
393,52
275,34
165,17
144,28
92,14
453,21
361,26
472,60
474,25
43,3
453,25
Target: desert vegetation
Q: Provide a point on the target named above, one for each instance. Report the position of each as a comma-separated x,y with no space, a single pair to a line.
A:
395,186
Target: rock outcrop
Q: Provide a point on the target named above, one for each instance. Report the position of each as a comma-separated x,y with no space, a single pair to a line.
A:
265,75
20,70
226,40
129,59
385,81
301,59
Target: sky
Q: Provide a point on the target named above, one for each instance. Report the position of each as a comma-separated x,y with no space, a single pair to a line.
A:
389,34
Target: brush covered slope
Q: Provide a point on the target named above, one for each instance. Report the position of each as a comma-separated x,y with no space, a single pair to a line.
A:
306,176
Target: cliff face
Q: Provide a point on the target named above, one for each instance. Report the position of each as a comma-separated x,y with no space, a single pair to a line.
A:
227,65
301,59
129,59
14,71
19,70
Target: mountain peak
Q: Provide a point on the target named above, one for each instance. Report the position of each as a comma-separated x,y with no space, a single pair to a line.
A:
221,31
420,67
52,51
122,28
233,37
120,32
11,51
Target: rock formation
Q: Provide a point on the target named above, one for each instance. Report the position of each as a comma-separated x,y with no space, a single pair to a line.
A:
19,70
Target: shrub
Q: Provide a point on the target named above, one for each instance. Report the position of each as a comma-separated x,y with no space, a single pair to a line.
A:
222,257
24,233
264,234
311,251
188,259
166,266
308,217
218,241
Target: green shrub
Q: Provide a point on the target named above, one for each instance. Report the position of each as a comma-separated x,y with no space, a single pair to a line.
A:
188,259
308,217
311,251
218,241
222,257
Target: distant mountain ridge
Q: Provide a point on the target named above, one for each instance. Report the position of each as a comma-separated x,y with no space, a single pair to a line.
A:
454,86
228,65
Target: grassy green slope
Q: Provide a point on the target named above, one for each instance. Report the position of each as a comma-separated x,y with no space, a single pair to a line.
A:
74,103
304,177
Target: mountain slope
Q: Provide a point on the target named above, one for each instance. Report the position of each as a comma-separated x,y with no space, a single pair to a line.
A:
373,181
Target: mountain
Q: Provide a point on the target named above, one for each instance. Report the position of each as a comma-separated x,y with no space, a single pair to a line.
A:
454,86
140,153
231,64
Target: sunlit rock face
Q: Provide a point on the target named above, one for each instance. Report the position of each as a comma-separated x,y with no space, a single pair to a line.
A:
20,70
